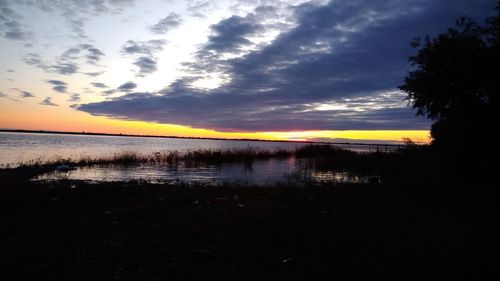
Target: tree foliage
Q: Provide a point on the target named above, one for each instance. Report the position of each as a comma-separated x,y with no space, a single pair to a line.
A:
456,81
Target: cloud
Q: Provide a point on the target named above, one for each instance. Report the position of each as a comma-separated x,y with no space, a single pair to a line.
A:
94,74
199,8
33,59
231,34
235,37
69,61
60,89
99,85
93,55
150,47
58,86
108,92
25,94
11,26
63,68
143,53
76,13
146,65
165,24
127,87
2,95
74,98
10,70
48,101
337,68
57,82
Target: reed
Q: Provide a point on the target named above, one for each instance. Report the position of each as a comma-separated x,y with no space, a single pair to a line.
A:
310,157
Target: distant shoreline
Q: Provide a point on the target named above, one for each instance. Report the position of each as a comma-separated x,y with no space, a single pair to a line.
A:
178,137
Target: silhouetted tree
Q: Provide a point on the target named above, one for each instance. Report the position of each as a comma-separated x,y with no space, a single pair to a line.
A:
456,82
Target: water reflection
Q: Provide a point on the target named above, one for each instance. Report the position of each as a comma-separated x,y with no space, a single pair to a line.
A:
25,147
260,172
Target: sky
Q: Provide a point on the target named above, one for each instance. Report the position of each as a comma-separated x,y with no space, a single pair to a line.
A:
267,69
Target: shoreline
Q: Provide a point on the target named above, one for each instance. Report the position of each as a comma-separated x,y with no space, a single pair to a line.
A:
428,222
196,138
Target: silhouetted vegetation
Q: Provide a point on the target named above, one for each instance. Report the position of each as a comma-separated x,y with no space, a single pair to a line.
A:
456,83
71,230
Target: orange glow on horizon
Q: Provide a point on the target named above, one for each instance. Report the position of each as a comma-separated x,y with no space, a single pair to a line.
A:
35,117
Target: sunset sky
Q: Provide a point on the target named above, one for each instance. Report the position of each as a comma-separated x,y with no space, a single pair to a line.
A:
269,69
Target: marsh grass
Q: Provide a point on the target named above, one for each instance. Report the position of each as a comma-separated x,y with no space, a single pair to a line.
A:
325,156
309,159
190,158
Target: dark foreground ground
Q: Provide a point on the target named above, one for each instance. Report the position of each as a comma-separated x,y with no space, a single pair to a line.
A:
136,231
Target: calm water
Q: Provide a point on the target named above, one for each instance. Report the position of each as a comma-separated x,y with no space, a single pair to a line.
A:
23,147
260,172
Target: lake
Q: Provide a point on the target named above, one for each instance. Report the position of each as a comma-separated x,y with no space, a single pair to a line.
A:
24,147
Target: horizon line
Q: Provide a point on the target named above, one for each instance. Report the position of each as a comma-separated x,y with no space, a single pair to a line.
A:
192,137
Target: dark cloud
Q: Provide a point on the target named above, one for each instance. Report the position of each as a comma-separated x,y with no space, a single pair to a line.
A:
143,53
94,74
74,98
99,85
231,34
58,86
60,89
33,59
239,113
108,92
149,47
69,61
25,94
63,68
10,70
337,68
57,82
127,87
2,95
10,24
77,13
165,24
93,55
48,101
146,65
